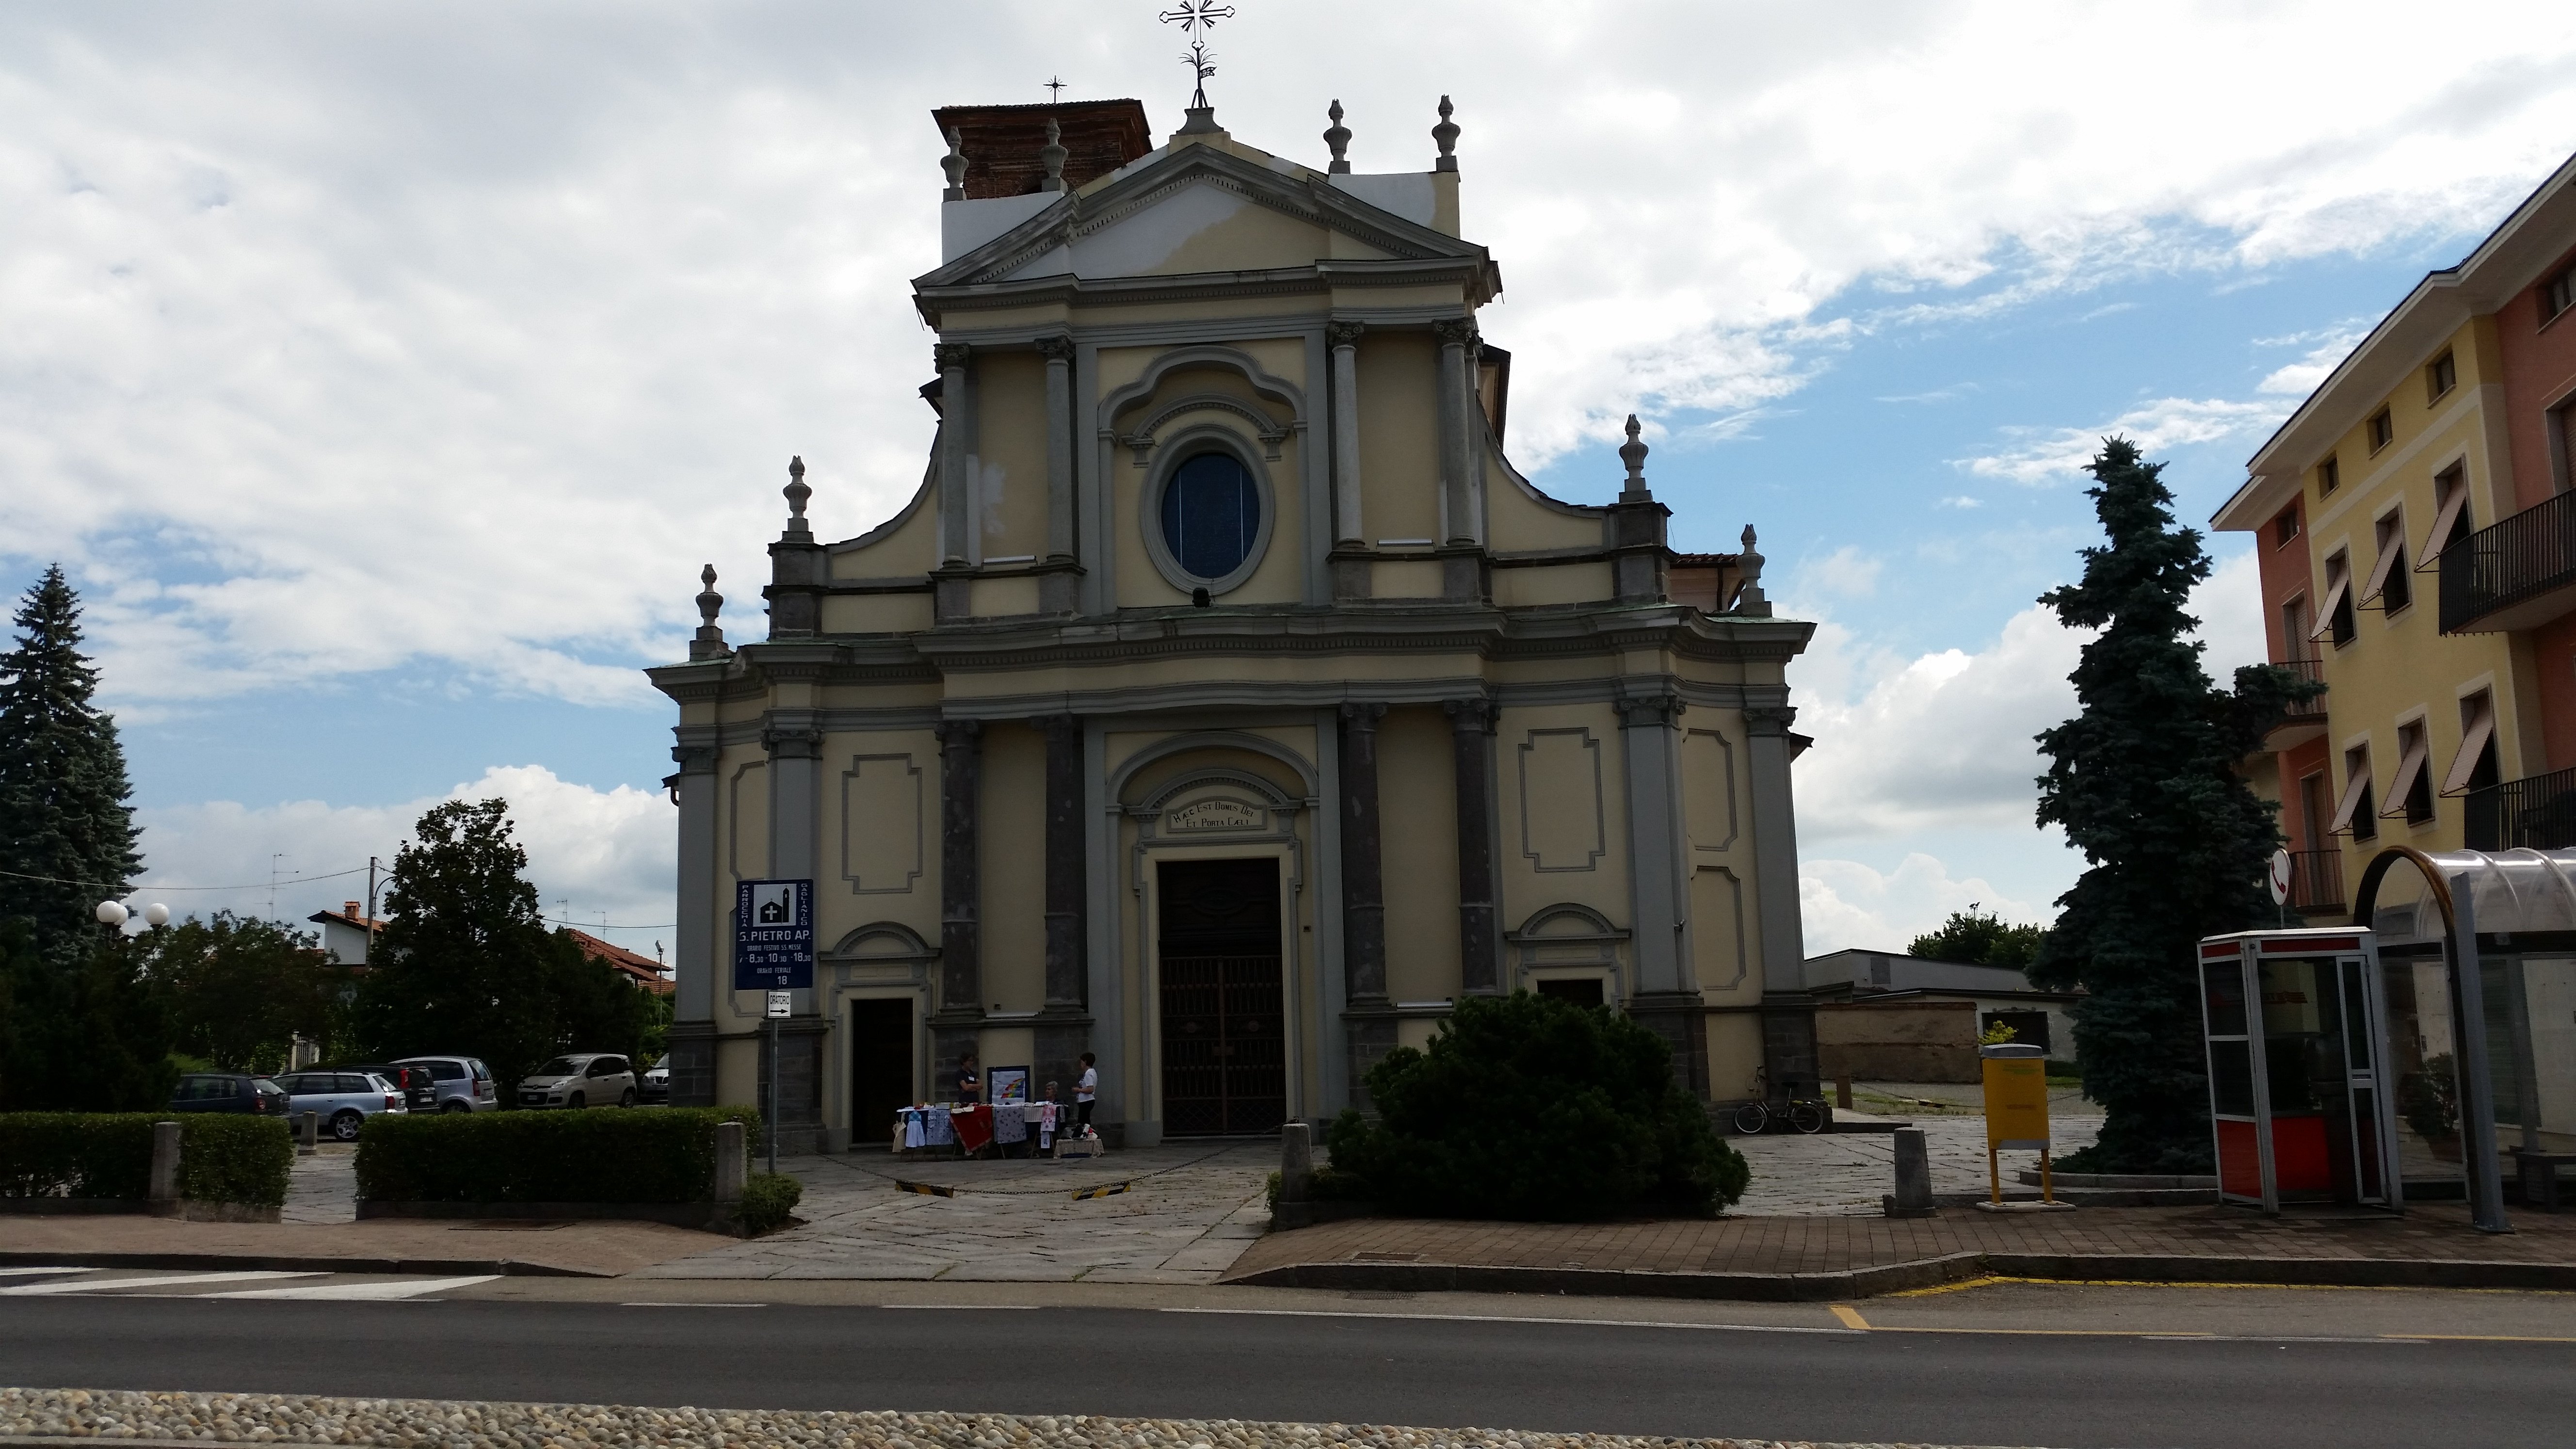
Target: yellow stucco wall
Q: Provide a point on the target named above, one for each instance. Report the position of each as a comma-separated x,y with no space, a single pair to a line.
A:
1418,838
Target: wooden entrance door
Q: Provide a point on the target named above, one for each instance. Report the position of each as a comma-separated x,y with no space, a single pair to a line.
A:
880,1066
1225,1058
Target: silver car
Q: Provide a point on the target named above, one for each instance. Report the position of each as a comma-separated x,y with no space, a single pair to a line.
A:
343,1100
458,1084
583,1079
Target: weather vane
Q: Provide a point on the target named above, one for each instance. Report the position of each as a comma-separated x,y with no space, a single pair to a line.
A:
1194,16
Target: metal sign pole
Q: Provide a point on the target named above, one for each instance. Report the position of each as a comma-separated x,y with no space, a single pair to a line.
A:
773,1095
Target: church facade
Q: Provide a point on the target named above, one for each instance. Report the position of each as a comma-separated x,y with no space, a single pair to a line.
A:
1224,704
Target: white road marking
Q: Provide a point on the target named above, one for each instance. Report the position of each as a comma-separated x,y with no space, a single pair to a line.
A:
110,1285
1508,1318
650,1304
29,1272
967,1307
383,1292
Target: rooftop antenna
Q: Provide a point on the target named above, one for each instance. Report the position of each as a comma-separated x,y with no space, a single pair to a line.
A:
1055,90
1195,17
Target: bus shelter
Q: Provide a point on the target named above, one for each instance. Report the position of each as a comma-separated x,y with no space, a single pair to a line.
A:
2478,952
2301,1094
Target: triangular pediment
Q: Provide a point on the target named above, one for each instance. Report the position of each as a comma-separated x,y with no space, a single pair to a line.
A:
1193,209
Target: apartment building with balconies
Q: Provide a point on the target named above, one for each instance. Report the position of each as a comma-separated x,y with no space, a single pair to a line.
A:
2415,531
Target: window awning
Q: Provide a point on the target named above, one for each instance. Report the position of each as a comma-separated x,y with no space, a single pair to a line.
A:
2326,612
2473,744
2388,558
2410,772
2354,788
2443,523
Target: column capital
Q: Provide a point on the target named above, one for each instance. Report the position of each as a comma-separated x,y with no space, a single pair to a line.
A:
1344,334
958,733
790,742
1768,719
1455,331
1055,349
1649,711
695,759
1362,716
1477,715
951,354
1057,726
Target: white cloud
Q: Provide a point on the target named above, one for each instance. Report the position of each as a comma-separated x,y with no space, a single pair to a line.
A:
589,851
460,335
2300,378
1846,571
2039,457
1847,904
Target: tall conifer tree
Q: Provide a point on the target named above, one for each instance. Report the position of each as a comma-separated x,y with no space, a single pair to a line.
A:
67,836
2144,781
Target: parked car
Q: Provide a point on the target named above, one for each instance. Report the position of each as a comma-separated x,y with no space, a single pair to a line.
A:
583,1079
419,1092
657,1083
344,1100
457,1084
227,1092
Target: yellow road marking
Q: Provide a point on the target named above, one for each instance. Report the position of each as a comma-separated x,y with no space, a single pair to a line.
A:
1850,1316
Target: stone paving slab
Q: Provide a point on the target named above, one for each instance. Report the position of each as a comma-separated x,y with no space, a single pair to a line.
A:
380,1245
1846,1173
1192,1209
1767,1257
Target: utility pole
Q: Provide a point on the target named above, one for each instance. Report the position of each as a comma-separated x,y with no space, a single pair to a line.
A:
274,859
370,958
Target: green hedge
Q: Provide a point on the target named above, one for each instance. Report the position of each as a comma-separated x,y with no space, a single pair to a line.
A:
599,1155
767,1200
222,1158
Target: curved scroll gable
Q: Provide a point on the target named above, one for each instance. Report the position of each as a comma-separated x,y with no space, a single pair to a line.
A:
1210,354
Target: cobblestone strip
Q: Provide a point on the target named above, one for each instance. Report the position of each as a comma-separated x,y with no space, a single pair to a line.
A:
290,1419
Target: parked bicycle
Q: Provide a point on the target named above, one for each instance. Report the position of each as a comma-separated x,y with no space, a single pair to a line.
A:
1803,1114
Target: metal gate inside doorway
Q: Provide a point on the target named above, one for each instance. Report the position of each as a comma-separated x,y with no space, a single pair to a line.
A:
1224,1040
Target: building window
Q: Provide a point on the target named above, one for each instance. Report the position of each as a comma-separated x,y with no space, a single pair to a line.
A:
2285,527
2474,767
2388,581
2450,513
2353,814
2297,629
1211,515
2328,475
2334,620
2441,377
2562,446
2411,793
2383,430
2558,294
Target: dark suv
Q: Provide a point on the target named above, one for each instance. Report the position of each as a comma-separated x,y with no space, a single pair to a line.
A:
228,1092
420,1094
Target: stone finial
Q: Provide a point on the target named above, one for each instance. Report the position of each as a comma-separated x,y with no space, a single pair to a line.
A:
1749,598
1446,133
710,640
1338,136
1051,156
797,493
954,163
1633,453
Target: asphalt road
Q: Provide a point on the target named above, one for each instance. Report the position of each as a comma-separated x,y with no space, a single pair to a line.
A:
1765,1382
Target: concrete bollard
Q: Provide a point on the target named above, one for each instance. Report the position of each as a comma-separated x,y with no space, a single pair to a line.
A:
308,1134
731,1166
1296,1161
165,1169
1913,1195
1842,1092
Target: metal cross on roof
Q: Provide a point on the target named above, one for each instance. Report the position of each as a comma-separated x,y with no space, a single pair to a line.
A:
1194,16
1055,89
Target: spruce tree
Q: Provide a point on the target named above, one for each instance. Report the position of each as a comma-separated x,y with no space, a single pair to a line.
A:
67,836
2144,780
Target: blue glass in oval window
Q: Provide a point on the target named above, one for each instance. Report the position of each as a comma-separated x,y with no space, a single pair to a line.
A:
1211,515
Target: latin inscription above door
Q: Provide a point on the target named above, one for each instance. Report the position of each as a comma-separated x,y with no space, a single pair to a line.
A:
1214,814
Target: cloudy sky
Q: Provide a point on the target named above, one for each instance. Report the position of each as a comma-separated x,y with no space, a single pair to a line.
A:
384,372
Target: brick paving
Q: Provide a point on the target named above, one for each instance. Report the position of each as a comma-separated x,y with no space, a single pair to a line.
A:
1833,1244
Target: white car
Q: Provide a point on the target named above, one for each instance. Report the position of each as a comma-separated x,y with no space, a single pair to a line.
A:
583,1079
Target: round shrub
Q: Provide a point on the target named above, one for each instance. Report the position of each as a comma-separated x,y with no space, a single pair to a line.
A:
1526,1107
767,1200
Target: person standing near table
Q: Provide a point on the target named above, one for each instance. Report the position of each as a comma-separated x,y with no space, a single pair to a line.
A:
970,1086
1085,1092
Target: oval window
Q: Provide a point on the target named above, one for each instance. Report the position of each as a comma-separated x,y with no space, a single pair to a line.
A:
1211,515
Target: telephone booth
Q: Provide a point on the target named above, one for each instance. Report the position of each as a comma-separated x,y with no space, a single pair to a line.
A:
2295,1022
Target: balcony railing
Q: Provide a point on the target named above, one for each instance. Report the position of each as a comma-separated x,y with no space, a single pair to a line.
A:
2314,672
2316,880
2536,813
2519,573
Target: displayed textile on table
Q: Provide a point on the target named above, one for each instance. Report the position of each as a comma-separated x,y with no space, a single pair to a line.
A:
908,1127
1043,1114
925,1127
974,1126
1010,1122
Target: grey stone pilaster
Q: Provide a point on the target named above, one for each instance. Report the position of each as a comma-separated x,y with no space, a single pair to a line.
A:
1471,738
1063,1027
696,953
1370,1016
1457,462
959,1016
952,595
1666,1000
795,745
1059,587
1348,527
1788,1012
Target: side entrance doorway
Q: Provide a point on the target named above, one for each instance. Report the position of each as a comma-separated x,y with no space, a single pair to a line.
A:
880,1066
1225,1060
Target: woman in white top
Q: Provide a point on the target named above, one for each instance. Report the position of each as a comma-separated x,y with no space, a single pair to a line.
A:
1085,1092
